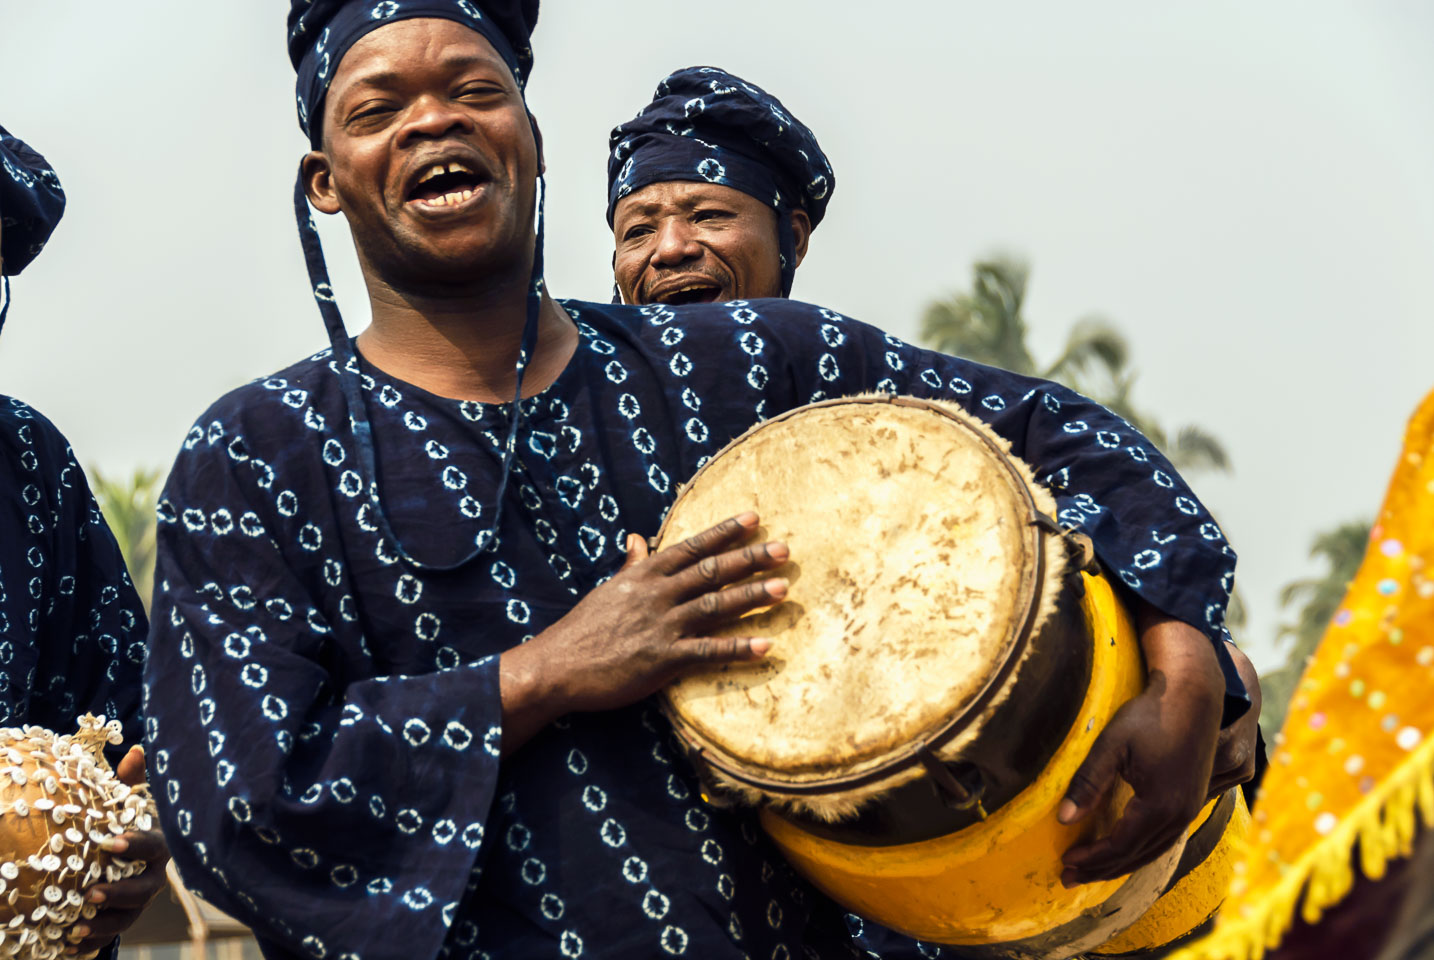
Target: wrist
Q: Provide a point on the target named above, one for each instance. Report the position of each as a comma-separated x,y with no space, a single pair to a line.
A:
530,695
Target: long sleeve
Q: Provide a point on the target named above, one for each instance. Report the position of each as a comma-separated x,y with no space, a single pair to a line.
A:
1110,482
72,624
334,815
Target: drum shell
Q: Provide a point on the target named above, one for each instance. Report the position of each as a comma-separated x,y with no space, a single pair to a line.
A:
994,887
1195,892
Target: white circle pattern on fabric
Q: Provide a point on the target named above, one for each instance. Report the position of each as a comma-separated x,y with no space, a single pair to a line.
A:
380,680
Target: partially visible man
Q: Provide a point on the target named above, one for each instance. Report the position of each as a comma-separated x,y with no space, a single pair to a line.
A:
714,190
72,630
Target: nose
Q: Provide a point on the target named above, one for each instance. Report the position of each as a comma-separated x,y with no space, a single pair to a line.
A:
432,118
676,244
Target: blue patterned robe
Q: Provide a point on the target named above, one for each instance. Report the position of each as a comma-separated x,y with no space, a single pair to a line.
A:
72,630
325,721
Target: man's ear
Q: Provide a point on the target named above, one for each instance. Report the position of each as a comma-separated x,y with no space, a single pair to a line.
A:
538,136
319,182
801,232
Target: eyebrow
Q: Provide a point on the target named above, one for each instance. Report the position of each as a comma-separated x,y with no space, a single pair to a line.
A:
685,204
393,78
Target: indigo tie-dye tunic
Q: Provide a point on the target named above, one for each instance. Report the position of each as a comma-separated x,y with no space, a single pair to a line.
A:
72,630
324,719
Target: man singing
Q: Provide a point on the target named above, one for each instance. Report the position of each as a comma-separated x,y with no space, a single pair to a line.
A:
407,631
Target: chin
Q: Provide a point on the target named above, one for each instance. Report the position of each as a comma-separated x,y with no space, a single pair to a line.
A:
462,264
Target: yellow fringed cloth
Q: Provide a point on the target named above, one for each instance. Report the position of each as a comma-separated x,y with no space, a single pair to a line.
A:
1355,759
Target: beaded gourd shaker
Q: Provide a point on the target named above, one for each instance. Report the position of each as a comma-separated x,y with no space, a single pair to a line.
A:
59,801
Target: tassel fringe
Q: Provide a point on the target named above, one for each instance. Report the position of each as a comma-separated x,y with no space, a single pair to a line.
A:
1382,825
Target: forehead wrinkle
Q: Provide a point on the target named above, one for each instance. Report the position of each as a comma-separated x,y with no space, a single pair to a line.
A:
681,195
390,77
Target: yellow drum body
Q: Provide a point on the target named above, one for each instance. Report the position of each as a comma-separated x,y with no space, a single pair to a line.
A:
939,671
997,882
1196,893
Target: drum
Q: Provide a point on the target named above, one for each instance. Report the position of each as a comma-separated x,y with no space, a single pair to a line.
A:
58,800
1186,909
943,661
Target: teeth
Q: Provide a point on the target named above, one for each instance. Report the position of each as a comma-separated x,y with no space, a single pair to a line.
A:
458,196
438,169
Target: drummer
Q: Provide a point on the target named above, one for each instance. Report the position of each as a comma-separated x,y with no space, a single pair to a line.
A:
72,626
714,189
404,609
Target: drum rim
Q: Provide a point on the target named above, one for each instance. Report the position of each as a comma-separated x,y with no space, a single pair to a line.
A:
920,751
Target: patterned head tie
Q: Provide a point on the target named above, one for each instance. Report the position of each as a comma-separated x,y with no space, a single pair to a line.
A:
59,800
320,33
31,204
705,125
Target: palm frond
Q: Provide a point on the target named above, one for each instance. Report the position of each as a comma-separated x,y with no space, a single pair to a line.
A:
1195,448
1092,342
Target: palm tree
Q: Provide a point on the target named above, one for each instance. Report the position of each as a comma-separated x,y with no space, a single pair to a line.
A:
1342,550
988,325
128,506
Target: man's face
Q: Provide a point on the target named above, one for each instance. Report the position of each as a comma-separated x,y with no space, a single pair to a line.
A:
427,150
680,242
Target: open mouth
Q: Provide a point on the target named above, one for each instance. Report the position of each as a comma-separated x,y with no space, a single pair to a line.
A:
697,291
445,184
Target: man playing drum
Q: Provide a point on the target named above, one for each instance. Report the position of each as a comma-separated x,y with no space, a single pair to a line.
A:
402,664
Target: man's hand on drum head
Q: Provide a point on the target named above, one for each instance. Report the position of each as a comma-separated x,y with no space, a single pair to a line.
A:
634,634
120,903
1162,743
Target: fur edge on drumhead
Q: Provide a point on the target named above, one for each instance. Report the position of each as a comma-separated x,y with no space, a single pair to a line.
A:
833,807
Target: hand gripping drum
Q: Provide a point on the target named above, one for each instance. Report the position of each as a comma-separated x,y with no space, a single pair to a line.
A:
941,665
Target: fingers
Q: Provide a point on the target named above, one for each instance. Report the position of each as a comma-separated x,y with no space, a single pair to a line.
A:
719,606
1231,778
100,929
711,541
705,651
131,768
1143,833
636,551
145,845
714,572
1092,782
128,894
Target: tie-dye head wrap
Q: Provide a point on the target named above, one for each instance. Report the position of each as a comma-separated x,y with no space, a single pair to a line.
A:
320,33
31,204
705,125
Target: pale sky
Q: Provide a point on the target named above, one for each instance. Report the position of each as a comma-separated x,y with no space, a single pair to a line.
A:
1246,190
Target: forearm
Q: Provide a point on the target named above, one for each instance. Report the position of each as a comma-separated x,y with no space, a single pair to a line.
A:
1180,659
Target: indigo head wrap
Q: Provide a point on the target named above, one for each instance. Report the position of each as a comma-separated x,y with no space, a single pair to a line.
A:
705,125
320,33
31,204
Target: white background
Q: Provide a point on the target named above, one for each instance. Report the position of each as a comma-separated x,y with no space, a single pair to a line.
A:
1247,190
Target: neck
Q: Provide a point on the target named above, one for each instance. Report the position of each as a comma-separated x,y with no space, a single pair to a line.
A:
464,344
